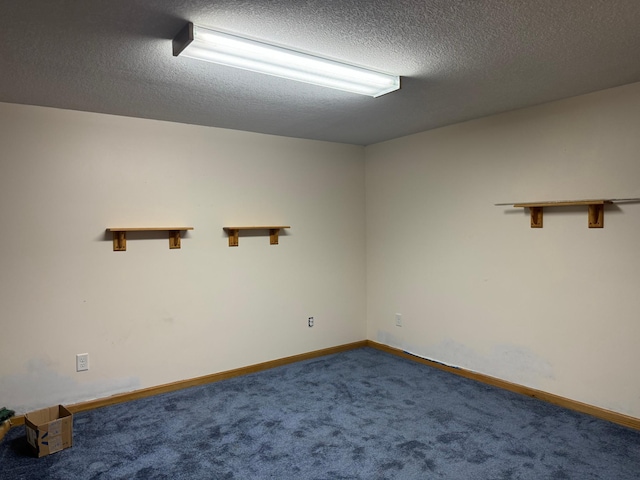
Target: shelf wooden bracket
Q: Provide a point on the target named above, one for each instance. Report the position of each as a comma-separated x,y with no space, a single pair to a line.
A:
120,235
234,233
596,216
233,237
273,235
119,241
536,217
174,239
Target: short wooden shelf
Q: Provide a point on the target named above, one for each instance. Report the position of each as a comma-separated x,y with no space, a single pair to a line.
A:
120,235
274,231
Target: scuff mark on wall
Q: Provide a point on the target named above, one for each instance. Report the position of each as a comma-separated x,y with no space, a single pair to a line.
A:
513,363
387,338
44,387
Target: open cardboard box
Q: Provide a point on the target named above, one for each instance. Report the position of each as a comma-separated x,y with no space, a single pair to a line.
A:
49,430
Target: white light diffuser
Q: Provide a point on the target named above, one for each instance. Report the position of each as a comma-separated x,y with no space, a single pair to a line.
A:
209,45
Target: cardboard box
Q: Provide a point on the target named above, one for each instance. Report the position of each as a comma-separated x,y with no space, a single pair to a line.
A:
49,430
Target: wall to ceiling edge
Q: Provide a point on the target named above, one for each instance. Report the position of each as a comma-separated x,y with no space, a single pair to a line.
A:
152,315
554,309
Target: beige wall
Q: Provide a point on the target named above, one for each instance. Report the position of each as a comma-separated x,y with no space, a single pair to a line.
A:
553,308
151,315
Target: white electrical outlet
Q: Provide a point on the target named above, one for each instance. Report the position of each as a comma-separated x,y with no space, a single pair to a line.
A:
310,321
82,362
398,319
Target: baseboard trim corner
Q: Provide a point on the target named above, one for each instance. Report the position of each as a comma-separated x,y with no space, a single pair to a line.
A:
619,418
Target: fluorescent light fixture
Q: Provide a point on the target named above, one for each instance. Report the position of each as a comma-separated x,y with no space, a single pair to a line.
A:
209,45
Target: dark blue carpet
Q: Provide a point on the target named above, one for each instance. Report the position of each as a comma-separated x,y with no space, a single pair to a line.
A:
362,414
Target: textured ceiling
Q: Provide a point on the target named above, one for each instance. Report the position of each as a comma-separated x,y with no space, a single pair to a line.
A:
459,60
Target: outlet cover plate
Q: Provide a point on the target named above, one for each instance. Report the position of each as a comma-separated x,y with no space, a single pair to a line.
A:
82,362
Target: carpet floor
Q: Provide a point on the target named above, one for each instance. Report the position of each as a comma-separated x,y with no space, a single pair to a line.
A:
361,414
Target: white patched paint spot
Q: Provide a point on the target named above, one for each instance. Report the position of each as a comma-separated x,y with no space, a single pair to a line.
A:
514,363
43,386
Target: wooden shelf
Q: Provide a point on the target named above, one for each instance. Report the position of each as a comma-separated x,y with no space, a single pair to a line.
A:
595,210
234,233
120,235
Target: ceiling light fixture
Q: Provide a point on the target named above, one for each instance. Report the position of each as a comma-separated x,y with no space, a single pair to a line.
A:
202,43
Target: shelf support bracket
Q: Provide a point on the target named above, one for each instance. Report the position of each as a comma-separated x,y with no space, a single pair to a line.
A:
233,237
273,234
174,239
119,241
596,216
536,217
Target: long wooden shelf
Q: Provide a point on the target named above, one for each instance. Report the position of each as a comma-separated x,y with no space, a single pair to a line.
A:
563,203
274,231
595,209
120,235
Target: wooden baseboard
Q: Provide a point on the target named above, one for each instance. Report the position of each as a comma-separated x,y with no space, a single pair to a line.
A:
193,382
598,412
